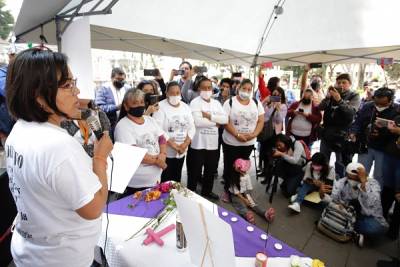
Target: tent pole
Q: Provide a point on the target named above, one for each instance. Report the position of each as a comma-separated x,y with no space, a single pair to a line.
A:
58,34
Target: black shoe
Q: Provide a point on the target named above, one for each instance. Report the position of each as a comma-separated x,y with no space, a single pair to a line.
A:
265,181
212,196
260,174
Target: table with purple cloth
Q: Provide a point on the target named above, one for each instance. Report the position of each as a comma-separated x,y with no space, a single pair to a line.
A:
126,216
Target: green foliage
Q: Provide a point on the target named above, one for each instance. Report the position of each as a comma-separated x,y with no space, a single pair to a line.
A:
6,21
393,71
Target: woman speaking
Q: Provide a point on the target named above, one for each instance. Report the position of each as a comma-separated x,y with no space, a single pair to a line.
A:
58,189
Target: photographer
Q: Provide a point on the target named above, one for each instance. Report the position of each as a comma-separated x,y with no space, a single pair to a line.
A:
151,92
185,82
371,135
339,107
291,158
363,193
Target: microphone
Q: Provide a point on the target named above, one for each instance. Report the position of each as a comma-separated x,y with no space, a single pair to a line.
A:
99,123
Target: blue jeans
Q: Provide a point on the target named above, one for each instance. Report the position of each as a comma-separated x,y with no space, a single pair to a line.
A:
369,226
303,191
368,158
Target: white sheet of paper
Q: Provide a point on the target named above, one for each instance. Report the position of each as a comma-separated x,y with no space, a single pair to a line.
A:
127,159
221,252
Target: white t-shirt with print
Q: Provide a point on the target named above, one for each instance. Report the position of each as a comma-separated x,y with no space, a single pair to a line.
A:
176,122
206,136
144,135
244,119
51,177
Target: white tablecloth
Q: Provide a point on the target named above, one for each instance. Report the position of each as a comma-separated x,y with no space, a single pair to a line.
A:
122,253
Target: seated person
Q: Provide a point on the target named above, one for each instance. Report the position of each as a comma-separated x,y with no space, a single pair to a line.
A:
289,159
240,191
318,176
364,194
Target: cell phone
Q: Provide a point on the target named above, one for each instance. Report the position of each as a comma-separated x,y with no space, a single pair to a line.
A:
301,110
383,122
151,99
201,69
275,98
150,72
180,72
329,182
315,65
237,74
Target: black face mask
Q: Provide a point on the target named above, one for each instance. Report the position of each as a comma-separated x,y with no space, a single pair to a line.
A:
118,84
306,101
137,111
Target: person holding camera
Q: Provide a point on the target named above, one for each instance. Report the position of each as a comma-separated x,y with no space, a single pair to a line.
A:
176,120
275,113
364,194
289,158
304,117
371,133
185,82
109,97
391,180
151,96
339,107
135,128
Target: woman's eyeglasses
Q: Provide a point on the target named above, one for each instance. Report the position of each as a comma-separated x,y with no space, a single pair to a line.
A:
70,85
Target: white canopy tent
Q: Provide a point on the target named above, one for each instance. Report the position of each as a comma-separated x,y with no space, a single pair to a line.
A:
329,31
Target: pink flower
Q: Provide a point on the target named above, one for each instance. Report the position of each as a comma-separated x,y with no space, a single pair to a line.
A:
165,187
270,215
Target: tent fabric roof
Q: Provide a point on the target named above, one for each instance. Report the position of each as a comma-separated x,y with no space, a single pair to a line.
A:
329,31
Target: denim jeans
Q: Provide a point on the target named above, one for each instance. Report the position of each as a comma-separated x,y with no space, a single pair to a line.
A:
369,226
368,158
304,189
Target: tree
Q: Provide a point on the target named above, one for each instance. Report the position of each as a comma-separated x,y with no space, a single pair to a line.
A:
393,71
6,21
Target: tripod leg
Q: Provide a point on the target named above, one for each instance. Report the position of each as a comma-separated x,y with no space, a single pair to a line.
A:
255,162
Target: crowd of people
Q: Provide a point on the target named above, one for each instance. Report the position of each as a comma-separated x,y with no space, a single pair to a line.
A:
191,117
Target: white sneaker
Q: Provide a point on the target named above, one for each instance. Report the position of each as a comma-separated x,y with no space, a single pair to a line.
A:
295,207
293,198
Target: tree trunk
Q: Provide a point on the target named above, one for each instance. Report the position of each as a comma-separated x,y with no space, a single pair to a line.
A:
361,74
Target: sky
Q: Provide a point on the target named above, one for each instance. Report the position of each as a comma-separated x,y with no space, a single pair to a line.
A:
14,7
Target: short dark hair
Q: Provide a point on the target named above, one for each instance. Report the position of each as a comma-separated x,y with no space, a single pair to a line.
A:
226,80
172,83
384,92
344,76
117,71
273,83
33,74
246,81
186,62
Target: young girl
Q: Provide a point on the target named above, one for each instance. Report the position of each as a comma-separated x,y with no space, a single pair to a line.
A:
318,176
241,189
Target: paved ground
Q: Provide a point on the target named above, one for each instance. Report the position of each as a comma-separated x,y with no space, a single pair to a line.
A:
299,231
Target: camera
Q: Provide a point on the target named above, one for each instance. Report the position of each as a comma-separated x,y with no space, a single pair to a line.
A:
150,72
151,99
180,72
301,110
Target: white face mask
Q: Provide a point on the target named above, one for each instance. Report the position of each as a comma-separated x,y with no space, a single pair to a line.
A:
174,100
206,95
244,95
380,109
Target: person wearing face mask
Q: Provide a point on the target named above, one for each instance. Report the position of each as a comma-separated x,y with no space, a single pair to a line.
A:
304,117
373,136
176,120
363,193
135,128
339,107
109,97
246,120
275,113
203,151
318,176
186,82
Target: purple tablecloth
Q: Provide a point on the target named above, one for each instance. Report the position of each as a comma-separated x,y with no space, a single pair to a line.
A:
246,244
